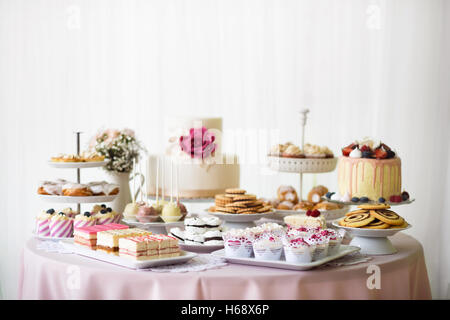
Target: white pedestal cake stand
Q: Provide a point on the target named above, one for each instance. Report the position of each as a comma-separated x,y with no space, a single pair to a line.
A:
372,241
239,221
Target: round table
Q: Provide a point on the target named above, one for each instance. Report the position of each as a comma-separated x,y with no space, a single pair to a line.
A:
402,275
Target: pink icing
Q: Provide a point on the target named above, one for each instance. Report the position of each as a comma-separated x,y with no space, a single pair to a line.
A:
199,144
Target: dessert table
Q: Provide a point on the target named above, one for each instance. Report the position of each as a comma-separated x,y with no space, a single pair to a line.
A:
45,275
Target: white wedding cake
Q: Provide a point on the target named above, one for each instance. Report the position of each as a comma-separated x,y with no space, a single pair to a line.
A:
194,147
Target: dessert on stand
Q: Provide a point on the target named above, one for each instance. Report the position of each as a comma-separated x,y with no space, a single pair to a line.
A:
239,209
53,225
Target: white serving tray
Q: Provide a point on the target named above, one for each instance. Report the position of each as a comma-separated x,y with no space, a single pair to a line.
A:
67,199
124,262
200,248
282,264
81,165
302,165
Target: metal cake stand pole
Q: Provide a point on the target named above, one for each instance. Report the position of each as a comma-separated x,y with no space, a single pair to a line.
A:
78,169
303,117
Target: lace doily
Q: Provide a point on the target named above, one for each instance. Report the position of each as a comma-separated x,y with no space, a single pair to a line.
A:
348,260
199,263
52,246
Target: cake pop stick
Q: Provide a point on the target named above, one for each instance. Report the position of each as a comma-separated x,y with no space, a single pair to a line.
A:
157,180
134,179
176,179
163,177
171,181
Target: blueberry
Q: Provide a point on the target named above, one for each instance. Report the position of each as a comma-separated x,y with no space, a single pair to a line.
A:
329,194
109,209
103,211
51,211
355,199
367,154
87,214
61,213
390,154
364,199
103,206
381,200
405,195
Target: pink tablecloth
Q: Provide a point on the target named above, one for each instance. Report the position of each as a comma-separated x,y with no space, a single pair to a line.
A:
51,276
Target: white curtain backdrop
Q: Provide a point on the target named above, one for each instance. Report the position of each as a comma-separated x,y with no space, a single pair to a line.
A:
363,67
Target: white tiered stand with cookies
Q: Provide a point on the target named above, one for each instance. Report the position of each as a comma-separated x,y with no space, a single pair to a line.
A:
78,166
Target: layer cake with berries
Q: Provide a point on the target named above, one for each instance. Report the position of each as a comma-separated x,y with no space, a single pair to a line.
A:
369,169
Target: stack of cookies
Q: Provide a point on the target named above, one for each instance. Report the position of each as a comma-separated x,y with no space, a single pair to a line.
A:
373,216
237,201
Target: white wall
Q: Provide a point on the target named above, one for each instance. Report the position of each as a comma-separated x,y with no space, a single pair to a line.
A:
362,67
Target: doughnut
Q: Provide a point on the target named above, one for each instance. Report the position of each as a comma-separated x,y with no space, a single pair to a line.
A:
304,205
316,194
287,193
326,206
76,190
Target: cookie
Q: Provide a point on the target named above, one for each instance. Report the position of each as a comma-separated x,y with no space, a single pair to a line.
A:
356,211
256,203
376,224
248,210
235,191
264,209
404,225
387,216
235,205
225,210
379,206
357,220
244,197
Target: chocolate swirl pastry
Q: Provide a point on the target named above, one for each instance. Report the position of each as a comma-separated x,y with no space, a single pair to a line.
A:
357,220
376,224
387,216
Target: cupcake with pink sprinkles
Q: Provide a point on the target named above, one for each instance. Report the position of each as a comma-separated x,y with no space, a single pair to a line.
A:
237,243
61,226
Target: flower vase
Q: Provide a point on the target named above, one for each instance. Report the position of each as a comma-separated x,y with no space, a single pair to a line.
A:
122,179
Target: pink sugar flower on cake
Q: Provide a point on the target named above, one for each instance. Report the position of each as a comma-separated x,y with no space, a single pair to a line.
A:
61,226
199,143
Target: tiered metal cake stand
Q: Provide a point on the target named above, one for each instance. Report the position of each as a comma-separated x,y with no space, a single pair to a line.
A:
78,166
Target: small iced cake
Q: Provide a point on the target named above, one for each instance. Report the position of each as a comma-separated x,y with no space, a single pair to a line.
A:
200,230
87,236
297,221
108,241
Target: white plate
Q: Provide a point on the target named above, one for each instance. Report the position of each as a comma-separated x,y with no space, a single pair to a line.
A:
200,248
302,165
328,214
153,224
67,199
371,233
282,264
370,202
124,262
51,238
71,165
234,217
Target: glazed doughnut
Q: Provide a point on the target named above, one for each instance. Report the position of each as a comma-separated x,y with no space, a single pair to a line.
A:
287,193
304,205
76,190
50,188
316,194
285,205
325,205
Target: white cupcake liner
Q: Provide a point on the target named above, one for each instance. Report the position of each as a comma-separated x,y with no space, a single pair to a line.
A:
301,254
237,248
83,223
267,253
320,252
